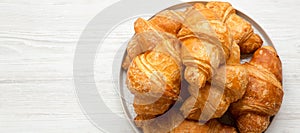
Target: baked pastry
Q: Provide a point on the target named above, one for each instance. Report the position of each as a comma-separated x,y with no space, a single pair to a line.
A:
168,21
208,39
174,122
151,105
230,47
217,29
213,101
160,124
241,30
213,126
264,93
154,79
159,30
206,43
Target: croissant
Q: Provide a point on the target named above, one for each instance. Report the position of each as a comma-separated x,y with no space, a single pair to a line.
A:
142,120
174,122
206,43
207,26
208,104
169,21
151,106
154,79
160,124
264,93
213,126
240,29
213,101
160,30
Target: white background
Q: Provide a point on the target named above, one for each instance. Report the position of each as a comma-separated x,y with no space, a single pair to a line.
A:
37,45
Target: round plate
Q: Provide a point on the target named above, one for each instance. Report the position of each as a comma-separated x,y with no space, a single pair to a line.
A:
127,97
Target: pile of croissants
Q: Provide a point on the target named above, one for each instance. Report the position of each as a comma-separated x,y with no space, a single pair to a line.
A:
184,70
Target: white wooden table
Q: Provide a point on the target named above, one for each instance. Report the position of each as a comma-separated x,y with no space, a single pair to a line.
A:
37,45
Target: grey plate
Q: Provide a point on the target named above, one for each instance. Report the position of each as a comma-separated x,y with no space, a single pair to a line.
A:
127,97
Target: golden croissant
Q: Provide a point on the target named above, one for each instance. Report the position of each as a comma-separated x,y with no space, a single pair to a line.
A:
197,52
206,43
264,93
213,101
240,29
213,126
223,31
159,30
154,79
174,122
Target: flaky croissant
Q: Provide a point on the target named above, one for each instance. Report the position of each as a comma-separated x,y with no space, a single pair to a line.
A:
206,43
218,28
151,105
230,47
159,30
264,93
240,29
213,126
174,122
213,101
154,79
169,21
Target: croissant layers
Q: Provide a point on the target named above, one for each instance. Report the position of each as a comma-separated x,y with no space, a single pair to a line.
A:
206,43
174,122
215,97
159,30
154,79
185,73
264,93
240,29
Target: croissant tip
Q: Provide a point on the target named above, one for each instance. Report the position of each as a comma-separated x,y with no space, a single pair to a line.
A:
270,48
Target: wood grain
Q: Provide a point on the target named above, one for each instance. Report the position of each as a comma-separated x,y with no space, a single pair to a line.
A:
37,45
